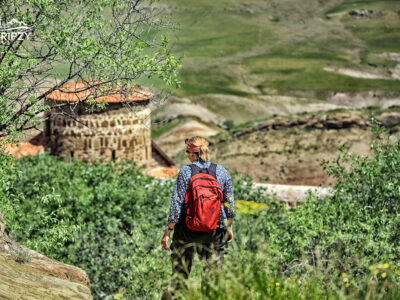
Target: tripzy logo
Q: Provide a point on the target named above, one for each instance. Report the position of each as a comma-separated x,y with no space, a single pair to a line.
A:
14,30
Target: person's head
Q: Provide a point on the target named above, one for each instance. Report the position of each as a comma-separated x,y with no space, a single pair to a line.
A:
197,147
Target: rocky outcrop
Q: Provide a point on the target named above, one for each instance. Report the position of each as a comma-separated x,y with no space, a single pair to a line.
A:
27,274
389,119
362,12
337,121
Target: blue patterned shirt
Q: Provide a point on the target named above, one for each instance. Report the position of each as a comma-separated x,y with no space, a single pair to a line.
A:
182,182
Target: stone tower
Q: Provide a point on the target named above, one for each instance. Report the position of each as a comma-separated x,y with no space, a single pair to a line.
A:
118,132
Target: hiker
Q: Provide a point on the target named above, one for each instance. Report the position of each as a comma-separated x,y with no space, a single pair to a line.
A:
199,222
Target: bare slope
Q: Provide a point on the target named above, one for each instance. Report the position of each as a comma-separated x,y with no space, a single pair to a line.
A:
290,150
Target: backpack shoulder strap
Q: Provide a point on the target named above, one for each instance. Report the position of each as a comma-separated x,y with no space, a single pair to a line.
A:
213,170
194,169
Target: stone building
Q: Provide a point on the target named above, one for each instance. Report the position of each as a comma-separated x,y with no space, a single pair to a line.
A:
117,132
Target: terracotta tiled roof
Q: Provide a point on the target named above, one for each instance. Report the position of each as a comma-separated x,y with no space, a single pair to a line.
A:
33,147
164,172
135,94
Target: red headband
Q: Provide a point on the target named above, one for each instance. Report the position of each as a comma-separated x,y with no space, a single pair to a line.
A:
190,147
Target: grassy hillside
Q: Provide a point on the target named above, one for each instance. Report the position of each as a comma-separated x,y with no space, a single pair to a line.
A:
238,53
262,47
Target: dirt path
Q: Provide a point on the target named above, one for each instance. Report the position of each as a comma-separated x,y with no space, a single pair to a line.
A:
395,72
356,73
292,194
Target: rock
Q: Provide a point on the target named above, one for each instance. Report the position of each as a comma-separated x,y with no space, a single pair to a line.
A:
319,125
358,122
244,131
31,275
333,124
262,126
301,121
347,123
312,122
341,116
389,119
361,12
293,123
280,123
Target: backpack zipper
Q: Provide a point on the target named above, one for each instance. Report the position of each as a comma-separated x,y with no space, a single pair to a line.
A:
211,179
211,186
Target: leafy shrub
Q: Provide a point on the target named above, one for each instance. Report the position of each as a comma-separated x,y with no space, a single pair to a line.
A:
359,222
229,124
109,218
105,218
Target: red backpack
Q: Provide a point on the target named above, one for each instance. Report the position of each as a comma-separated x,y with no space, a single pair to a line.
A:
203,199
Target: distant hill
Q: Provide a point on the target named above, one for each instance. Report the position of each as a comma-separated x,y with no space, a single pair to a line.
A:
238,54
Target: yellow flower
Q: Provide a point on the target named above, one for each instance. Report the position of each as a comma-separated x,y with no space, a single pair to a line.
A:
372,267
118,296
344,274
277,284
385,266
375,272
383,275
345,279
247,207
347,285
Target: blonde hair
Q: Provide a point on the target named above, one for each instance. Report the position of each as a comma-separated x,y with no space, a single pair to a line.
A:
203,144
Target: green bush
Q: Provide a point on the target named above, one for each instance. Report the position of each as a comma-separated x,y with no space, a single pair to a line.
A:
359,222
108,219
229,124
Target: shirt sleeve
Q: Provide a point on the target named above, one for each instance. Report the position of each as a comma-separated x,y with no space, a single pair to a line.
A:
229,202
178,197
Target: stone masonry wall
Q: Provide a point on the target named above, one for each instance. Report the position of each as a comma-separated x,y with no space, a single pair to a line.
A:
118,133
